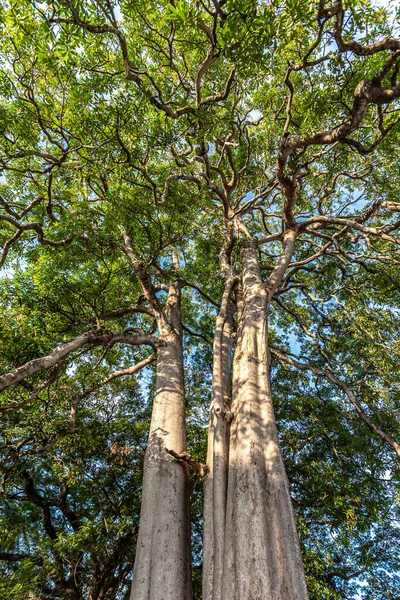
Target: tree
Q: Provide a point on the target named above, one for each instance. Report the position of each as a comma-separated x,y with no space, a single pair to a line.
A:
226,160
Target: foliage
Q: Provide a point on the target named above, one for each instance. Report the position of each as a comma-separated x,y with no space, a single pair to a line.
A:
146,116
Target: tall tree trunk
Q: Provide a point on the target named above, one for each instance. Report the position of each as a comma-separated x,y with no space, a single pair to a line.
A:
262,551
162,566
215,481
251,547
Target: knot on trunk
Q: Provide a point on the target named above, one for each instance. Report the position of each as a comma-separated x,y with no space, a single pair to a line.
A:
224,412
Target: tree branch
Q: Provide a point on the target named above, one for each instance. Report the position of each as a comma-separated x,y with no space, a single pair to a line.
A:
96,338
200,468
347,390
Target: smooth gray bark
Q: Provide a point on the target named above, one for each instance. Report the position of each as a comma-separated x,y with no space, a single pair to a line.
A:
215,482
262,551
162,568
251,547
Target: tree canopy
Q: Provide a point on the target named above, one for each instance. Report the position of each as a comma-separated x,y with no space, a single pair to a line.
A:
143,143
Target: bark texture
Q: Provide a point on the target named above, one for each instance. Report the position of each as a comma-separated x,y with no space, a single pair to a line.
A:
262,551
162,566
251,547
215,481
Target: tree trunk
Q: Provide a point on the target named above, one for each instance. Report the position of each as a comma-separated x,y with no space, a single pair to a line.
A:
162,568
251,547
262,551
215,481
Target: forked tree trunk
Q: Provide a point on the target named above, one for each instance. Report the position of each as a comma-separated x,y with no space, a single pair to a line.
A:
262,550
162,568
260,546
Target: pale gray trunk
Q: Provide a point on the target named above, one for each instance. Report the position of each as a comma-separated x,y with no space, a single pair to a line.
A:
262,551
162,568
215,482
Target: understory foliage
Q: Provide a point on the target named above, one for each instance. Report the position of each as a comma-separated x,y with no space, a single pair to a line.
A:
167,124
